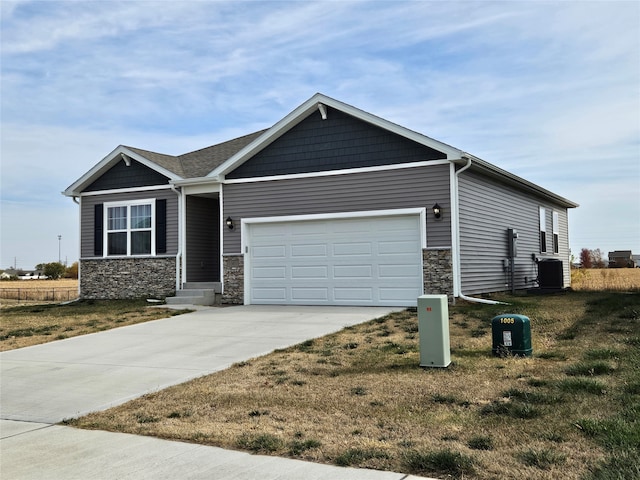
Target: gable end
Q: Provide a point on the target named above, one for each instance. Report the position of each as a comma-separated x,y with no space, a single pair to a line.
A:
339,142
123,176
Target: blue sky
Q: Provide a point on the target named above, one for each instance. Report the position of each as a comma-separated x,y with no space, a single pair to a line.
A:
547,90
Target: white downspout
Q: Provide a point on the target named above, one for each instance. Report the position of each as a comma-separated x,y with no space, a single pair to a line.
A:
180,235
455,234
78,201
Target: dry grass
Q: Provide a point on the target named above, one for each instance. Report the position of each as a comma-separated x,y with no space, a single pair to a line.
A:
14,292
25,325
359,398
606,279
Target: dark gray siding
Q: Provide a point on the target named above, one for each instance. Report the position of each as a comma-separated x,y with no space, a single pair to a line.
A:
87,212
487,210
203,239
402,188
121,176
339,142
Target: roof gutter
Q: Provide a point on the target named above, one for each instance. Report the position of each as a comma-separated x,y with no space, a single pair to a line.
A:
195,181
455,230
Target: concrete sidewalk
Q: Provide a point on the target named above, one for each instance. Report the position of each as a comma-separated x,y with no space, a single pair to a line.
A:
44,384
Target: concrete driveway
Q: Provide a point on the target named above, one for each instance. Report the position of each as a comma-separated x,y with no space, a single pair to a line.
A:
44,384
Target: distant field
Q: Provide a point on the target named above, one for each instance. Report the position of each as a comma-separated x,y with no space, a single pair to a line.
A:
13,291
606,279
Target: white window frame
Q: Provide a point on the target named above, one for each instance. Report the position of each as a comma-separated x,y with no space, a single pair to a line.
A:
543,230
128,204
556,232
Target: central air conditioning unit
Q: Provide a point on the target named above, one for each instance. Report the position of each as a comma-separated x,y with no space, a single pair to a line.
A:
551,274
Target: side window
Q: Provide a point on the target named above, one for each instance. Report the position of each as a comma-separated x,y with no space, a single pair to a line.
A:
543,230
556,232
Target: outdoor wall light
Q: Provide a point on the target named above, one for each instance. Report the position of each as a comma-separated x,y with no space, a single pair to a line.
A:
437,211
229,223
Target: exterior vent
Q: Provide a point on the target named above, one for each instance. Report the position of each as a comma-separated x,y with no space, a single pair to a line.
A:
550,274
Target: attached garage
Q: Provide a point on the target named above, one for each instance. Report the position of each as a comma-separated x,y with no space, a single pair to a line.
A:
368,258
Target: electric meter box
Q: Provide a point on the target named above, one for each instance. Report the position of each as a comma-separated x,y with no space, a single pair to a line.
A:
511,335
433,331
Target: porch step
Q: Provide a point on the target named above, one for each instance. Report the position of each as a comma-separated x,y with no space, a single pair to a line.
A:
197,293
217,286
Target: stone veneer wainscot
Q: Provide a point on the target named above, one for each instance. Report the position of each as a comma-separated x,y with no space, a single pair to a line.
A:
127,278
233,267
438,272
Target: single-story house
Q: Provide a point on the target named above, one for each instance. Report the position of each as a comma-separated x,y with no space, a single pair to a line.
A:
330,206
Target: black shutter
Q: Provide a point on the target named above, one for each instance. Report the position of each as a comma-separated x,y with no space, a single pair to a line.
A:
98,225
161,226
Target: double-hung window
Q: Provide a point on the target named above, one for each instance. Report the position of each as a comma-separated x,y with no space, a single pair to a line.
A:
556,232
543,230
130,228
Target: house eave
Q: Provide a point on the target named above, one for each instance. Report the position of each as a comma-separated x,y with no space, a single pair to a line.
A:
505,176
117,155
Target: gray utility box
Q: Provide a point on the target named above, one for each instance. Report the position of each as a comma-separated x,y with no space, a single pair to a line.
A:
433,330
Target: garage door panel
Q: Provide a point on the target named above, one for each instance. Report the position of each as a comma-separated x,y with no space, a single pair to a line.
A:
399,271
396,247
359,294
353,271
351,227
319,272
351,249
311,250
269,294
269,273
310,294
273,251
396,294
354,261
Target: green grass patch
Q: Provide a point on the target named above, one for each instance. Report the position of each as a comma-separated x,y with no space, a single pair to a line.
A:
259,443
582,385
589,369
439,462
542,458
522,411
297,447
602,354
357,456
480,442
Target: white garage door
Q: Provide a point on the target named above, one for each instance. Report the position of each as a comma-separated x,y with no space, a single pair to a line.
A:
353,261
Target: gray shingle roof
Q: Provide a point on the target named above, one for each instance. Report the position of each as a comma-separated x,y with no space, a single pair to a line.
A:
200,162
168,162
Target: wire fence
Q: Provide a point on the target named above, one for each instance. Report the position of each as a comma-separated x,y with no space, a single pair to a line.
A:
39,294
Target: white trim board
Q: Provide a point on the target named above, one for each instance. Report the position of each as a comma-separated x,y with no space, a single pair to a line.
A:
149,188
331,173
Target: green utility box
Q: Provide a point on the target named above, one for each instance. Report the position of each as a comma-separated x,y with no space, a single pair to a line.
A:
511,335
433,330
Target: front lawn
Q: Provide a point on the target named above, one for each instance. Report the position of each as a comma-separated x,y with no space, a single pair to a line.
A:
25,325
